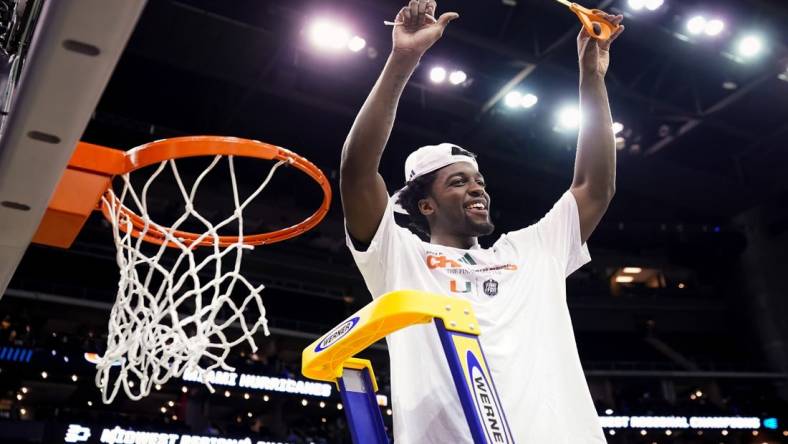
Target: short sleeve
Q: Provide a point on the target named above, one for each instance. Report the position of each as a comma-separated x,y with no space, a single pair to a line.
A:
558,234
383,251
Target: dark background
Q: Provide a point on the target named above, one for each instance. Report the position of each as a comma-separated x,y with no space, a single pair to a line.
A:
702,194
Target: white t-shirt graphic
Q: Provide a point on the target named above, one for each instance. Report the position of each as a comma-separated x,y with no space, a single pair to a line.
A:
518,291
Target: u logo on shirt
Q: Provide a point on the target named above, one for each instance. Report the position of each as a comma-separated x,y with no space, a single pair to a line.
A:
434,262
455,288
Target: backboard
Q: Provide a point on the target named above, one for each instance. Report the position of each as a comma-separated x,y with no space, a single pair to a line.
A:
53,75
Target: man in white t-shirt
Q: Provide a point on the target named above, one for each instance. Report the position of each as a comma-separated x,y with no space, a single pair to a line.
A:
517,287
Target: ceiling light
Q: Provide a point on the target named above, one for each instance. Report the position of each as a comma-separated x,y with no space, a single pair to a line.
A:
328,35
784,75
617,127
696,24
653,5
458,77
514,99
356,44
637,5
749,46
632,270
529,100
568,118
624,279
438,74
714,27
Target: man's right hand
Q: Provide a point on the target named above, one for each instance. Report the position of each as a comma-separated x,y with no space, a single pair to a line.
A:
364,193
419,31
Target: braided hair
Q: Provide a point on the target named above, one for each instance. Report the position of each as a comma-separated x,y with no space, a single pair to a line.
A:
409,198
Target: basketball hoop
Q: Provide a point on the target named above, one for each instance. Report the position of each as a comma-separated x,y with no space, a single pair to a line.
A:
175,317
196,146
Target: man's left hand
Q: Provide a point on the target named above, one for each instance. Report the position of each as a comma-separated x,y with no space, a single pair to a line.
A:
594,54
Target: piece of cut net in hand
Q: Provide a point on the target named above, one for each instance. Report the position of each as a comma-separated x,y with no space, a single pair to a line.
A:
180,292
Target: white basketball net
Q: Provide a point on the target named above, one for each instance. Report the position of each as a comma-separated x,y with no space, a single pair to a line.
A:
172,318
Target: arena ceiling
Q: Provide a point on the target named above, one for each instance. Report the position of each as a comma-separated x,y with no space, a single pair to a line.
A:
695,151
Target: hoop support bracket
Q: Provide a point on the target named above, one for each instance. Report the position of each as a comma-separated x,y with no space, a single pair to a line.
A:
78,193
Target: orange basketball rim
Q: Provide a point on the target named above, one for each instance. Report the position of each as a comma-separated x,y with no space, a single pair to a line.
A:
92,168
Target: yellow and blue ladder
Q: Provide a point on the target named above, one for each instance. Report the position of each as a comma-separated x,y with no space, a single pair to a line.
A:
330,358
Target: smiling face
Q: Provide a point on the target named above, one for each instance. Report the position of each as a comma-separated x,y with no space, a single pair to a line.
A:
458,204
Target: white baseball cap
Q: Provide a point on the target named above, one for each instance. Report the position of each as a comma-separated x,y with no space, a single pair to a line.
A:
434,157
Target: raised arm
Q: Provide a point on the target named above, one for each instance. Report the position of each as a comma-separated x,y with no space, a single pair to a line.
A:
364,194
594,180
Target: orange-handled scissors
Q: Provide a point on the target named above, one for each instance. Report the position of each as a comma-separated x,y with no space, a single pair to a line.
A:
589,17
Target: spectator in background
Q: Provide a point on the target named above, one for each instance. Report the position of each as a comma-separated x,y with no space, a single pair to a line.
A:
26,338
5,329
